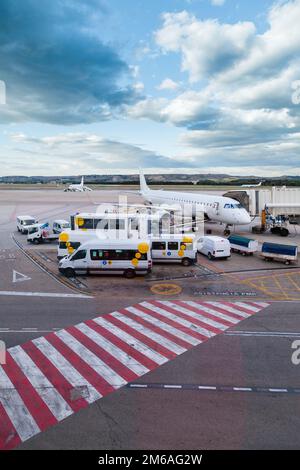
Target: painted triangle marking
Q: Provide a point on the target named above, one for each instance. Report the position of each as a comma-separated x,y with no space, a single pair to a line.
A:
19,277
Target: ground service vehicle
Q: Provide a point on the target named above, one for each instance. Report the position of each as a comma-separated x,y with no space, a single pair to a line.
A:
214,247
25,221
127,257
174,249
40,233
276,251
243,245
60,225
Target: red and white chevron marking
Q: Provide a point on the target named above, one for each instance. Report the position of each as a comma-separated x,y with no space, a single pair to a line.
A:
47,379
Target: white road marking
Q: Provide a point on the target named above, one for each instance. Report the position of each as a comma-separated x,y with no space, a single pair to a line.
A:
43,294
230,308
16,409
66,368
132,341
208,333
48,393
161,340
91,359
19,277
164,326
264,334
116,352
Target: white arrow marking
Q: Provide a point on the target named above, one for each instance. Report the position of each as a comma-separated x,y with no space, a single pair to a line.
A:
19,277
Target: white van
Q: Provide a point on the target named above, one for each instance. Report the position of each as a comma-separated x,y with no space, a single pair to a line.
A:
69,240
60,225
125,257
174,249
24,221
214,247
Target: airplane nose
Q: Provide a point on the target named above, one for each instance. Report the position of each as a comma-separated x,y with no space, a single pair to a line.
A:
245,217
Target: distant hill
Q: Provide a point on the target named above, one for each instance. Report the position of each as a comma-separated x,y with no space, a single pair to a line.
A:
167,178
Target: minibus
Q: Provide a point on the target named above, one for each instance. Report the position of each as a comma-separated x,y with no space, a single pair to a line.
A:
70,240
174,249
127,257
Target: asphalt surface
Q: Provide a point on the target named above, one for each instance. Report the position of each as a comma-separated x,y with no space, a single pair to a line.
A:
162,418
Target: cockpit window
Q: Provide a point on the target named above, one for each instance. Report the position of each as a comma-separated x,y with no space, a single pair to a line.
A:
233,206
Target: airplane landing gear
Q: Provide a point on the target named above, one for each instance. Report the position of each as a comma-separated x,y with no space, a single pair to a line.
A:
227,231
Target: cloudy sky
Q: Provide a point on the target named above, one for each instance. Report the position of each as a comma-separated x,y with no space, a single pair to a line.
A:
107,86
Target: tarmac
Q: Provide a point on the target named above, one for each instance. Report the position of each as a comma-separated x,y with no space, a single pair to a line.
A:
238,389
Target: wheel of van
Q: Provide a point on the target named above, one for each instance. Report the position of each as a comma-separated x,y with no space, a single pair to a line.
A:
186,262
209,255
69,272
284,232
129,273
287,262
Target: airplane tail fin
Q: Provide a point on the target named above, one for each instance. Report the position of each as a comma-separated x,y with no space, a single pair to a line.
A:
143,185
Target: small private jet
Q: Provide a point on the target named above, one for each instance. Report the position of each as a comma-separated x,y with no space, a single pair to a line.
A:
78,187
216,208
252,185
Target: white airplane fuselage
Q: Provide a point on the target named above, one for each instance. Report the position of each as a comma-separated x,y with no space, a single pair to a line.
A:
216,208
78,187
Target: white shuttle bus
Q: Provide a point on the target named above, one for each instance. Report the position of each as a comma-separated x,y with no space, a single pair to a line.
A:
124,225
174,249
69,240
127,257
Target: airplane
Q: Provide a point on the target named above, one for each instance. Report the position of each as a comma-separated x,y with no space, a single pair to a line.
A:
78,187
216,208
252,185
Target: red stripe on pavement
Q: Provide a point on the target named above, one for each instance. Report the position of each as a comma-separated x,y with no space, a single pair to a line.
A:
141,337
102,354
178,326
156,329
238,307
32,400
54,376
226,312
96,380
200,311
9,438
256,305
137,355
196,321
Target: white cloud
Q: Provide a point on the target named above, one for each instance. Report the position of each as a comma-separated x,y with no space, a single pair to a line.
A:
168,84
245,110
207,47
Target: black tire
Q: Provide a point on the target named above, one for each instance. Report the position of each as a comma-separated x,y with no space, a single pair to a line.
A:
209,255
69,272
186,262
129,273
227,232
284,232
287,262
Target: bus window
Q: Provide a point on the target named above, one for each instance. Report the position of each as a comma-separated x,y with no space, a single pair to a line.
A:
88,224
172,245
158,245
125,255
